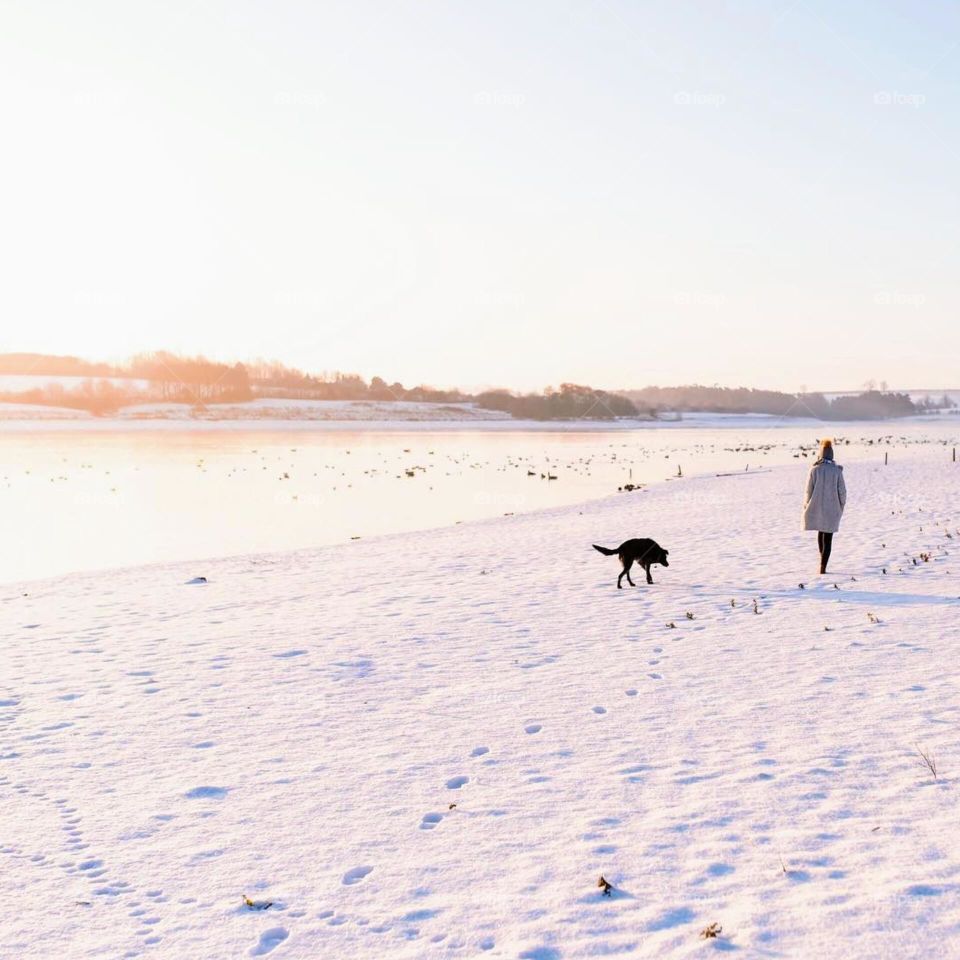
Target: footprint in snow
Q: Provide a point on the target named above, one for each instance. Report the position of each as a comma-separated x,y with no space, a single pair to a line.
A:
206,793
533,728
655,676
455,783
631,692
599,709
429,821
479,751
269,940
356,875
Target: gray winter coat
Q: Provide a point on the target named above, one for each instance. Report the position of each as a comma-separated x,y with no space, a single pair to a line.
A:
826,497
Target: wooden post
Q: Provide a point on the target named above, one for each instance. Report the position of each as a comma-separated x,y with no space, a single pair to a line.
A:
886,458
954,454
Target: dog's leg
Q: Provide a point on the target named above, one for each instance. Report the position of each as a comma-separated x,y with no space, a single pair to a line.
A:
646,567
627,564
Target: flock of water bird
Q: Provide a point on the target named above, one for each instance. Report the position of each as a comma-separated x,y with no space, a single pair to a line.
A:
619,461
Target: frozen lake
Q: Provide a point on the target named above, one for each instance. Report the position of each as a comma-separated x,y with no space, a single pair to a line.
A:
87,499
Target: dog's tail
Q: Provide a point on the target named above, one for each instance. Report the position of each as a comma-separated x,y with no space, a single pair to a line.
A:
604,551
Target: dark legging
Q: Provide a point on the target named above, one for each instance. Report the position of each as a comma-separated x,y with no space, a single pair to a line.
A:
825,543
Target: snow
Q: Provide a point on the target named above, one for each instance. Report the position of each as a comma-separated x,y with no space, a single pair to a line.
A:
433,744
15,420
28,412
282,409
273,413
263,412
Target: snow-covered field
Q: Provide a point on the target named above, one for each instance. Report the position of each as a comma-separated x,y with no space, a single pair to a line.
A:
433,744
242,415
29,413
310,410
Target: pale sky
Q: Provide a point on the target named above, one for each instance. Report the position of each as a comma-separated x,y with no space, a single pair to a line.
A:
512,193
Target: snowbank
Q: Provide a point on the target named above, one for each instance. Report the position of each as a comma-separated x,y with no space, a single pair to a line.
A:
432,745
28,412
270,408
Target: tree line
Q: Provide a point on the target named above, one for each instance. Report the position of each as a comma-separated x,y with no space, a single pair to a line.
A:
199,381
570,402
871,404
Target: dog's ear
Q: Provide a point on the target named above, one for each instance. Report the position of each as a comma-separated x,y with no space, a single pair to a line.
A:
666,553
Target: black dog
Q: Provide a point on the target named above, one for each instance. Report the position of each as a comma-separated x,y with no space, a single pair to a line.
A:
645,552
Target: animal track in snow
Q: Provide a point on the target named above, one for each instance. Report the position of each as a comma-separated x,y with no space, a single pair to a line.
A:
632,692
355,875
206,793
92,868
533,728
479,751
600,710
269,940
455,783
429,821
634,774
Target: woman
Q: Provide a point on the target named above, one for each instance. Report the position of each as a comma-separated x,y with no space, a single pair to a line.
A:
826,497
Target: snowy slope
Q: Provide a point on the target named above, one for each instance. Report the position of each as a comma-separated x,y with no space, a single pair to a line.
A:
297,729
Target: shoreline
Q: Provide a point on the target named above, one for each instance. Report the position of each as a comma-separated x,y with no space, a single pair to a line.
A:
644,488
269,424
279,556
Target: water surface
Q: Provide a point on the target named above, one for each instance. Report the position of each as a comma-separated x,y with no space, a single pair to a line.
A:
81,500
